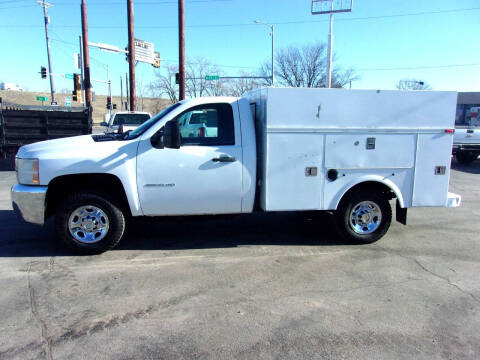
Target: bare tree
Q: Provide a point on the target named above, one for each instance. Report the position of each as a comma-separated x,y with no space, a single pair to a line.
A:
307,67
237,87
266,71
217,88
196,85
412,84
165,84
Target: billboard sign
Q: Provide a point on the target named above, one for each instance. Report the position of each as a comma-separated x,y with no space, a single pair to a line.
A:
144,51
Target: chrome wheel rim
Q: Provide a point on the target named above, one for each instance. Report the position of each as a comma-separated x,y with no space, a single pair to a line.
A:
88,224
365,217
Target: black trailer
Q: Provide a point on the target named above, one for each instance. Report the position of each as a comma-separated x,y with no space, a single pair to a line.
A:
24,124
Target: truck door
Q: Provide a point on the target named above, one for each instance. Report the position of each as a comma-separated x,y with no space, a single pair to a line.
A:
204,176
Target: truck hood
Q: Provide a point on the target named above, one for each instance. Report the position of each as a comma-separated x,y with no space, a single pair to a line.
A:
81,155
42,148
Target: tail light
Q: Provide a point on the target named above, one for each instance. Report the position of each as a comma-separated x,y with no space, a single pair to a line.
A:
450,131
120,129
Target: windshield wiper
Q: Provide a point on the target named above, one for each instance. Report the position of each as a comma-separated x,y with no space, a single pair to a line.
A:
125,135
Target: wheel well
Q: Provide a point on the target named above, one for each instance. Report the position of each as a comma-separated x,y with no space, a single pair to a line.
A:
101,184
370,186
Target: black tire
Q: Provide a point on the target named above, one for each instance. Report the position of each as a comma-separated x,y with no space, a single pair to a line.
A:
465,157
115,221
362,235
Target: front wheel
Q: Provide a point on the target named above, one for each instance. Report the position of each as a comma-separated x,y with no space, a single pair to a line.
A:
363,217
89,223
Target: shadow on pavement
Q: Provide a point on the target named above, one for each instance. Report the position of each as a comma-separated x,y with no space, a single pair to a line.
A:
472,168
181,233
7,164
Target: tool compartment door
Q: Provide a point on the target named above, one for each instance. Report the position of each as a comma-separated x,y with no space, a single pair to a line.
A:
432,169
294,177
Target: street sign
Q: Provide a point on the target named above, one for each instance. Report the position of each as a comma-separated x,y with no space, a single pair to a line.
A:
144,51
42,98
68,76
68,101
212,77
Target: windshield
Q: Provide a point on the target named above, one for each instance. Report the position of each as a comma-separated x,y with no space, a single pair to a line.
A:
130,119
148,124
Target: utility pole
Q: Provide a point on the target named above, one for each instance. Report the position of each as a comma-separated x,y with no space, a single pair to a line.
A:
181,45
109,83
82,70
86,57
330,52
46,5
126,88
131,53
272,28
330,7
121,94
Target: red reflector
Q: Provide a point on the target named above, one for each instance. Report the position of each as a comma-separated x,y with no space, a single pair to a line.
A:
449,131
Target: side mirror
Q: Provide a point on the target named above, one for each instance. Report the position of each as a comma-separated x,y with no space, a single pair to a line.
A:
103,123
171,135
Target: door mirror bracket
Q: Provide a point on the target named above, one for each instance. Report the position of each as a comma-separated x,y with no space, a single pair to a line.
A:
171,135
157,140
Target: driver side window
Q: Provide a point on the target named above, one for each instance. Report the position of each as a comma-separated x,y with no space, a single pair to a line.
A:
210,124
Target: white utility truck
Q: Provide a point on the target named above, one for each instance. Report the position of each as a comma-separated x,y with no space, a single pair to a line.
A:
275,149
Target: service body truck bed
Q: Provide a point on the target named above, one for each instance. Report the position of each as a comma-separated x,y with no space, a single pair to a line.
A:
400,139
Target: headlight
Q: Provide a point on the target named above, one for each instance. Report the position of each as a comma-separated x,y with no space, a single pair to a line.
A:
27,171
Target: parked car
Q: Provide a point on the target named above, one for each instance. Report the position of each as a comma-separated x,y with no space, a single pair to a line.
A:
274,149
10,86
466,142
126,120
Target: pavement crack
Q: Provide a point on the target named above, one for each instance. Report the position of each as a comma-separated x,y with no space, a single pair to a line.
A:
427,270
376,286
47,346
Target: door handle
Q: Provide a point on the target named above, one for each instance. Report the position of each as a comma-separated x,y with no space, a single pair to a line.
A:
224,158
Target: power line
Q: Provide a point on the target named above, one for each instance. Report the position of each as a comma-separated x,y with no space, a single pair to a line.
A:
435,12
419,67
150,3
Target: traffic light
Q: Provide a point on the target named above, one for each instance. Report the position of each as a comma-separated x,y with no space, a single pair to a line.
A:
156,60
77,88
43,71
177,78
109,102
114,106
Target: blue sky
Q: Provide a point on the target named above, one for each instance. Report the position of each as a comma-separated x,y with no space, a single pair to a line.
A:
383,47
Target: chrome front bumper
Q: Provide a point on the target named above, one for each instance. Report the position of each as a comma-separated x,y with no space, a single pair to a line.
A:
29,202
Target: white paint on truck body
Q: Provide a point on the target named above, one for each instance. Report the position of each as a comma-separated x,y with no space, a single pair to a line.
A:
329,129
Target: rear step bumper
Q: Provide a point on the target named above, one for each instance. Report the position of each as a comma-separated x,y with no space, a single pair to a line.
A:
453,200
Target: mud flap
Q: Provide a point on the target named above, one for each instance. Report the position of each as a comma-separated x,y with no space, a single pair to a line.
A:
401,214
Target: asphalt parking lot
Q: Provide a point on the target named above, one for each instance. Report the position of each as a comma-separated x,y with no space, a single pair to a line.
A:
248,287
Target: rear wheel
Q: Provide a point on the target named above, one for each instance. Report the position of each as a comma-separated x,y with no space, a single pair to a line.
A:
363,217
89,223
465,157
